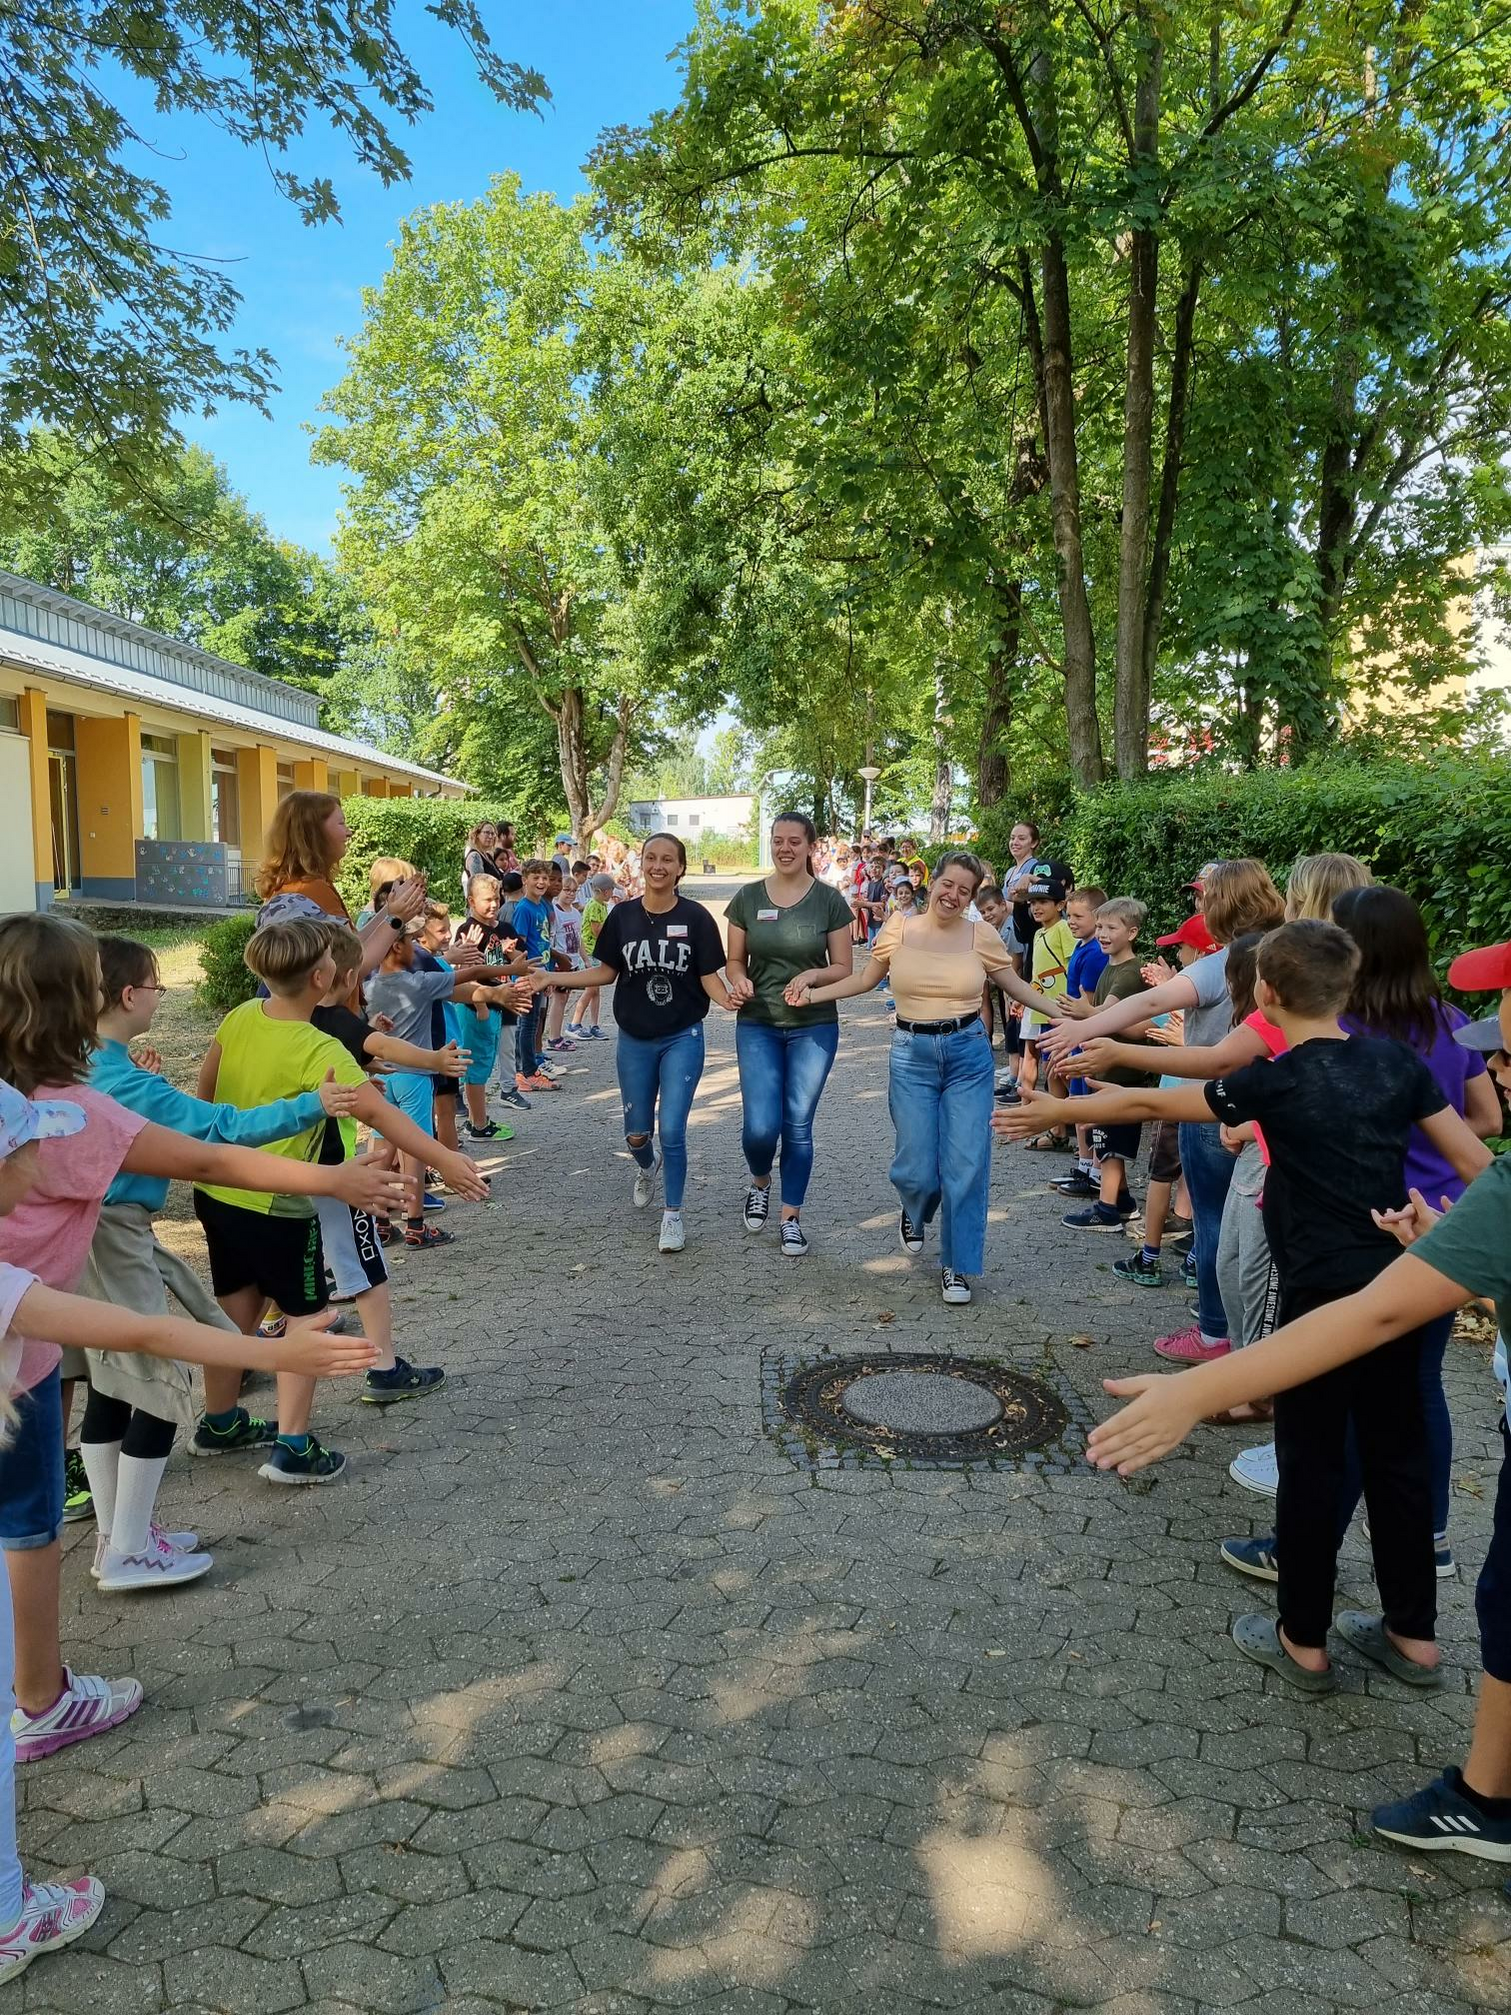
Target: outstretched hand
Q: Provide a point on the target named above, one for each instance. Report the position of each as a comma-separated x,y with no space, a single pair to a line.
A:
307,1346
1159,1416
338,1099
1028,1117
1407,1224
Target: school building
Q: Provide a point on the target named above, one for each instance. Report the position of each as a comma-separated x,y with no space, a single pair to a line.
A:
135,768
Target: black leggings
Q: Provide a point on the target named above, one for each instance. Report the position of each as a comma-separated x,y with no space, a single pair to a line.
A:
140,1434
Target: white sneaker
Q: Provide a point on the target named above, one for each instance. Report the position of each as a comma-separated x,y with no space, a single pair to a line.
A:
955,1288
545,1068
87,1706
53,1914
645,1181
673,1232
1257,1470
181,1542
158,1565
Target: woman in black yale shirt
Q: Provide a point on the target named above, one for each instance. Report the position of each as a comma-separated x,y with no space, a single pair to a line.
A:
662,954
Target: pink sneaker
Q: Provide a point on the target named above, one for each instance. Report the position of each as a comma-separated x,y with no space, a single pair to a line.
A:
86,1706
53,1914
1186,1347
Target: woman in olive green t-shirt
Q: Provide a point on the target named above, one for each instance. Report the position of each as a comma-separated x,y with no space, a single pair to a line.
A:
788,929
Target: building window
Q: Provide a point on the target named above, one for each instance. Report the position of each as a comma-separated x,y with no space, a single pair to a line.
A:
671,818
285,780
160,820
694,819
10,714
225,798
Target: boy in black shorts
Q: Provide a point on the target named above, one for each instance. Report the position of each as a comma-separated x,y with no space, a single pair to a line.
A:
269,1247
1337,1112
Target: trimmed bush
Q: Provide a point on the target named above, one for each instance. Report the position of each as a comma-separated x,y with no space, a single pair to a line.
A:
430,832
226,982
1440,831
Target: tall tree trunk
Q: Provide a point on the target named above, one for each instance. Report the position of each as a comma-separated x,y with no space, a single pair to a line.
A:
993,773
1131,694
944,772
1087,762
1181,353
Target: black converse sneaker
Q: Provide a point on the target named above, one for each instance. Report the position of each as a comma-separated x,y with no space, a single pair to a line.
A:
757,1207
910,1234
794,1238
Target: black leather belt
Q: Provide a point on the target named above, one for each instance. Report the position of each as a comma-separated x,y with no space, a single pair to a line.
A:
937,1027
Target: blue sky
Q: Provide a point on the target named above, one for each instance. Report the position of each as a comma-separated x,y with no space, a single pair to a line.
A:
606,62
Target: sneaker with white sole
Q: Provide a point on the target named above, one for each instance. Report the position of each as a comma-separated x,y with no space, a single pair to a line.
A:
88,1705
1257,1469
1441,1816
644,1187
53,1914
955,1288
1443,1563
910,1235
1254,1557
673,1232
158,1565
794,1238
180,1542
546,1069
757,1207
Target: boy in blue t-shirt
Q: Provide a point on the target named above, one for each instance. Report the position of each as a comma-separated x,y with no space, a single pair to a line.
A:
531,924
1081,975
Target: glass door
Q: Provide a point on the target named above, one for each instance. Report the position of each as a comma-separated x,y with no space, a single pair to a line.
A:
63,803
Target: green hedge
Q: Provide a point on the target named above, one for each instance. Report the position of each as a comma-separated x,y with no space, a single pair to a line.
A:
226,982
1440,831
430,832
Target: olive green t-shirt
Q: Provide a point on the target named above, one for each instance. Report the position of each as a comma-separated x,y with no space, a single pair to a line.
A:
781,943
1471,1244
1119,983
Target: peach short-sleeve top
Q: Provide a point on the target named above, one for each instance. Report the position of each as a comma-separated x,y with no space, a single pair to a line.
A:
933,981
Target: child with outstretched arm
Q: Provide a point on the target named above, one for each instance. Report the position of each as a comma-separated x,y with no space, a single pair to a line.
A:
1337,1111
1450,1262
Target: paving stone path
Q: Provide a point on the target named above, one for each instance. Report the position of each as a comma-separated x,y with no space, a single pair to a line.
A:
579,1695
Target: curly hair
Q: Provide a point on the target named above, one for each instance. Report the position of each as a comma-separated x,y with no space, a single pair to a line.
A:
50,995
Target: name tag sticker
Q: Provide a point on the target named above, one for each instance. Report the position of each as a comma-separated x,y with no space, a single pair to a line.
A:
767,916
676,930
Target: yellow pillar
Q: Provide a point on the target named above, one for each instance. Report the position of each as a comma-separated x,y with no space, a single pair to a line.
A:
33,705
347,784
109,754
375,787
312,775
398,790
194,784
257,797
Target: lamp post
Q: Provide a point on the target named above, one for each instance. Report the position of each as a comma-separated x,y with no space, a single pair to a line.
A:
870,772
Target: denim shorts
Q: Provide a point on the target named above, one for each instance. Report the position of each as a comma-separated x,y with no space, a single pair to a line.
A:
31,1470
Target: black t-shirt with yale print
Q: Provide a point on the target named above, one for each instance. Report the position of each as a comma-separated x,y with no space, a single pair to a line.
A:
1336,1118
660,961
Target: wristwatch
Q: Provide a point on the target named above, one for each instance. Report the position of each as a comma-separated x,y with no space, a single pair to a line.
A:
394,923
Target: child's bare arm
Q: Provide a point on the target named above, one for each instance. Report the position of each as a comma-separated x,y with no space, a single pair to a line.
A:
402,1055
158,1150
1457,1142
209,1071
70,1319
456,1169
1113,1105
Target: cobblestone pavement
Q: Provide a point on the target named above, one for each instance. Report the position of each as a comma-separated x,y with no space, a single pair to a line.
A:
579,1695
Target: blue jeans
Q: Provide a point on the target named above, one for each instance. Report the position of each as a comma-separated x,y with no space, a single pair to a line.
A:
527,1037
782,1073
1435,1412
665,1073
1208,1169
940,1095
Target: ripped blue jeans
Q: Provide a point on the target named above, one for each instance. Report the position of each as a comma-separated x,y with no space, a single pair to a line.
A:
663,1073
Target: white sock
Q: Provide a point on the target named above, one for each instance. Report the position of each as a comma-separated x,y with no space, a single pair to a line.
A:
668,1215
101,1461
136,1494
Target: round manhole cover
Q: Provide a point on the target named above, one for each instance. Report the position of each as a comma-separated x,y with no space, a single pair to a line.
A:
920,1402
934,1408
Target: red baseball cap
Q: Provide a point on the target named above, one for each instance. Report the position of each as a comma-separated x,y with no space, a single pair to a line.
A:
1481,971
1192,932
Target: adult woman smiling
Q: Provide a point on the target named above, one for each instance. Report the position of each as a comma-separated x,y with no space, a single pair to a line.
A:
306,844
789,930
940,1071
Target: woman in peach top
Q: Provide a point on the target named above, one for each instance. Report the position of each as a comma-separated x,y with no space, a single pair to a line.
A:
940,1073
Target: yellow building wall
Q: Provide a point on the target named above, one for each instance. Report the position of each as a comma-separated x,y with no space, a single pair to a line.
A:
375,787
257,795
109,756
33,709
347,784
312,775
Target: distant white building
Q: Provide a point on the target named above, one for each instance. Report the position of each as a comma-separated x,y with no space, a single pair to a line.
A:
689,818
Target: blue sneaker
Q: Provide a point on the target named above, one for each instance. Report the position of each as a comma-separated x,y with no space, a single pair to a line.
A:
1441,1816
310,1464
1254,1557
1188,1270
405,1381
1093,1218
434,1202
